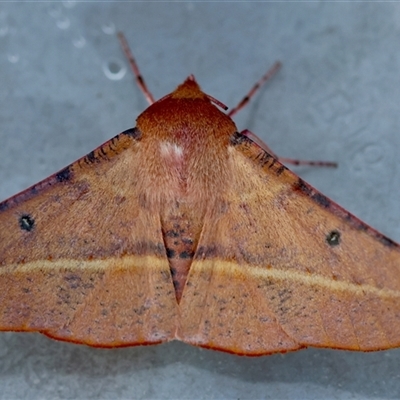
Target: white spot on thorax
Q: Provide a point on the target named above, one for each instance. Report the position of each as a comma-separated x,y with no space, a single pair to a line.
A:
171,152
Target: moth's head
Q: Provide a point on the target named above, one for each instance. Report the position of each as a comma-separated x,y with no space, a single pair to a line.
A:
186,109
189,89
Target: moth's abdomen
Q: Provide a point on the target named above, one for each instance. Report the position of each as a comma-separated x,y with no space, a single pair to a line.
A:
181,228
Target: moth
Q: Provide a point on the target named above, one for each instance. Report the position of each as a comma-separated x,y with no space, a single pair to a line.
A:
185,228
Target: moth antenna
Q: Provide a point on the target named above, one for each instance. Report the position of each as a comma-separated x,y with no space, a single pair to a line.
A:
269,74
135,69
252,136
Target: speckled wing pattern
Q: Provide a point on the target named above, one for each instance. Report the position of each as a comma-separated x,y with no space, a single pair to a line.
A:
287,268
81,260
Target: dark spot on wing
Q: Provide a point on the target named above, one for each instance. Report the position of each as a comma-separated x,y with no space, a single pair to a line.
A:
113,147
206,252
73,280
26,222
321,200
172,233
4,205
91,157
387,241
177,285
237,138
280,170
64,175
333,238
265,159
133,132
170,253
301,186
309,191
186,254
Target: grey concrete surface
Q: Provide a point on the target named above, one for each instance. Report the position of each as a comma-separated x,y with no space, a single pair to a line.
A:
336,98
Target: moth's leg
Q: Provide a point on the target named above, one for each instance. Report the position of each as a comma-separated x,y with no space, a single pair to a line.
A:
284,160
269,74
135,69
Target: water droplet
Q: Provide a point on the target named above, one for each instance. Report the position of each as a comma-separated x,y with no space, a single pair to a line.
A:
114,70
369,155
108,28
63,23
373,152
79,42
69,3
55,11
13,58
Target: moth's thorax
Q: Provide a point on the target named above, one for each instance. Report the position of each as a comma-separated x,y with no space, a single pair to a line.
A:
187,138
